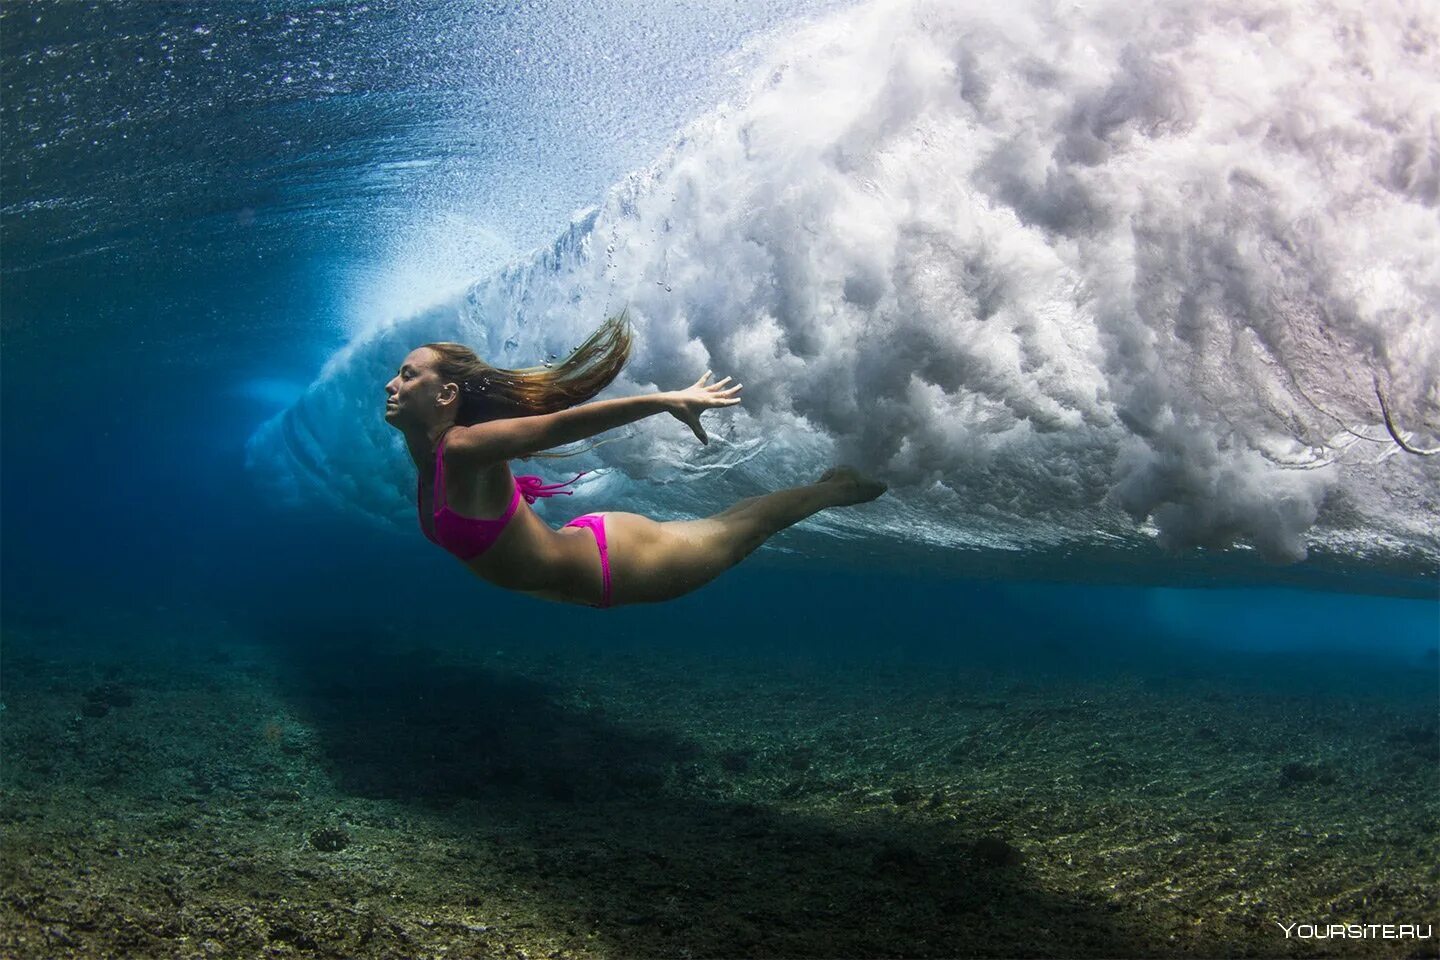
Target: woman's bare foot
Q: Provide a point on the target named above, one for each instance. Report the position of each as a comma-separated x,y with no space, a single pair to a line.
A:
851,487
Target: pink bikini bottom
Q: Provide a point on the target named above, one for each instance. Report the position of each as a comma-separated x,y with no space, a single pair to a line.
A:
596,523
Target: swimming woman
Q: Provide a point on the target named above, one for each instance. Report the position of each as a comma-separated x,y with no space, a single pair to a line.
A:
464,421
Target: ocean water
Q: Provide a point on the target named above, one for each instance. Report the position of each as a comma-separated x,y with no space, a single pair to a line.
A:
1133,306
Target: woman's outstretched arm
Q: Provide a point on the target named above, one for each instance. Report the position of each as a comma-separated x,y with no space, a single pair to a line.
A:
507,439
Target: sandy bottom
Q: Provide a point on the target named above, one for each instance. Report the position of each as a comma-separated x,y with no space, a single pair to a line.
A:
357,796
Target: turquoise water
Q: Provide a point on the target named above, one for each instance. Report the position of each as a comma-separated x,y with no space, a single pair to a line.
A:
1111,298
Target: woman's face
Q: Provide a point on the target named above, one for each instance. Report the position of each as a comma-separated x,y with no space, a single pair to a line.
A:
410,396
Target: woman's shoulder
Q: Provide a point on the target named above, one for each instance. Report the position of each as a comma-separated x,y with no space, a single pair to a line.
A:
476,445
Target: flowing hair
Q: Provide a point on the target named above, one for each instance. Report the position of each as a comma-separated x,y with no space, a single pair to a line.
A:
495,393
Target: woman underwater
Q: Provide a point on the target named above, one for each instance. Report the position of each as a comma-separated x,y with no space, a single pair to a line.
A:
464,420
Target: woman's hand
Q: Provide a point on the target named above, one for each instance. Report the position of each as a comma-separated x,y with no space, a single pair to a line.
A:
687,405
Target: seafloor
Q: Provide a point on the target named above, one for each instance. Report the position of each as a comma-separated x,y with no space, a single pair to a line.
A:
184,789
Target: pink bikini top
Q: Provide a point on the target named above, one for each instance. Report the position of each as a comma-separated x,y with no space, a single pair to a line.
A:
469,537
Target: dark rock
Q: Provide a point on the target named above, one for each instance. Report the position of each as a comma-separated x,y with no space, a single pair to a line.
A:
330,840
995,852
110,694
794,788
899,858
93,709
1415,735
735,761
1425,741
638,779
905,794
280,793
285,933
1295,773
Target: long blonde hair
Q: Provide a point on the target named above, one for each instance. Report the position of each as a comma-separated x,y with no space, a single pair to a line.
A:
494,393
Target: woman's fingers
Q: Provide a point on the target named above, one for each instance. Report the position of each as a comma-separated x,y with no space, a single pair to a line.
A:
718,385
706,396
699,430
725,398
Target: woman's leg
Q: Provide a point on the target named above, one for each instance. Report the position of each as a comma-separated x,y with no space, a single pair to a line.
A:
652,561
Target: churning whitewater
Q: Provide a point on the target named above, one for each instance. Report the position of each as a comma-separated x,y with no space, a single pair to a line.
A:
1067,276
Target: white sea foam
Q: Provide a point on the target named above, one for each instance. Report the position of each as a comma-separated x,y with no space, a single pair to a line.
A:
1063,274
